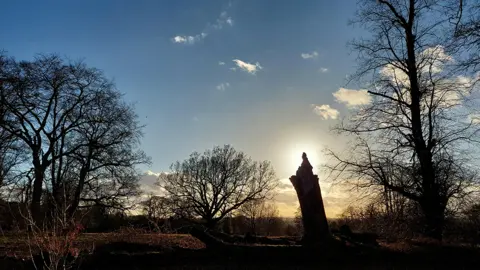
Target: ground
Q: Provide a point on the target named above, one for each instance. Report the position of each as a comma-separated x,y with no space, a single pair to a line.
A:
180,251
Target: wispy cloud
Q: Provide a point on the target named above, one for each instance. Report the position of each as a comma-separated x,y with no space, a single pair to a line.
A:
311,55
221,63
222,21
223,86
325,111
233,69
351,97
248,67
189,39
323,70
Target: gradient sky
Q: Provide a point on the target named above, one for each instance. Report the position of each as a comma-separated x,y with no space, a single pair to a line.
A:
188,90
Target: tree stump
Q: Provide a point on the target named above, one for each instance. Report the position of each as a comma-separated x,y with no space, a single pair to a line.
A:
315,226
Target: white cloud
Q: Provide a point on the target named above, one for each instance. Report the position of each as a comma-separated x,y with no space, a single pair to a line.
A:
432,59
311,55
152,173
233,68
223,86
323,70
221,63
351,97
222,20
250,68
474,118
325,111
189,39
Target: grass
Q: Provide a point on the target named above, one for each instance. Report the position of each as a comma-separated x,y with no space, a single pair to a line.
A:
180,251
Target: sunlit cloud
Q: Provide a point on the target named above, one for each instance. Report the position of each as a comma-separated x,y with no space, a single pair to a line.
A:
323,70
223,86
311,55
152,173
248,67
351,97
325,111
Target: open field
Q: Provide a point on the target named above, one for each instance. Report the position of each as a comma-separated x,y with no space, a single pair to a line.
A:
180,251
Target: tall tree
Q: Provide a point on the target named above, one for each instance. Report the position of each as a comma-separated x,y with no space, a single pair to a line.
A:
412,136
76,128
213,184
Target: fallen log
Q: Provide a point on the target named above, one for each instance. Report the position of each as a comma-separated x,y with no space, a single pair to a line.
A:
209,240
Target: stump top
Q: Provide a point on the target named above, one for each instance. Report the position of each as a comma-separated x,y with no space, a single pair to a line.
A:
305,162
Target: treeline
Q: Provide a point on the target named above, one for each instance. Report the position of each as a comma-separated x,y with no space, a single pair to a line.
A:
407,223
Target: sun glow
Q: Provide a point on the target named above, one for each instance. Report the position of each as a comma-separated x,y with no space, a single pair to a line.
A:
313,154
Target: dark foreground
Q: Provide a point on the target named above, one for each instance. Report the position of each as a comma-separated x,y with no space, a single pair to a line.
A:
123,253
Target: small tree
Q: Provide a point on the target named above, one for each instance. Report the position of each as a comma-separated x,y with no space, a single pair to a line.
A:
213,184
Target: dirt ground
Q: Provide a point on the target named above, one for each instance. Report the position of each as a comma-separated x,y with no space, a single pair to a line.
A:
180,251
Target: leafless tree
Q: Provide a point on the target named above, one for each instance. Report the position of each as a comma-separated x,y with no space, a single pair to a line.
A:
213,184
10,148
465,15
260,215
412,138
81,137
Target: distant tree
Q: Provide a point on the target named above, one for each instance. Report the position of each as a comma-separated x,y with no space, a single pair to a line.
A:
81,137
260,215
298,221
219,181
411,138
157,207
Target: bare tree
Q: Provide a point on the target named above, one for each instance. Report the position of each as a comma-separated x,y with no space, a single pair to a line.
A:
260,215
412,137
81,137
465,15
213,184
10,148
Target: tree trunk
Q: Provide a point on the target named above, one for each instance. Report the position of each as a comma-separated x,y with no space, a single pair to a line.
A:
315,225
434,213
211,223
35,205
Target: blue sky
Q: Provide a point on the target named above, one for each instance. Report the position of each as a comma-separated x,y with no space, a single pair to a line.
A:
186,99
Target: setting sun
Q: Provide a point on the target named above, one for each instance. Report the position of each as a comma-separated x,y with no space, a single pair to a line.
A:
295,155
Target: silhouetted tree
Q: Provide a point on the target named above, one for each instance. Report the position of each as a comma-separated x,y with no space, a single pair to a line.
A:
10,147
260,215
466,36
80,136
410,137
213,184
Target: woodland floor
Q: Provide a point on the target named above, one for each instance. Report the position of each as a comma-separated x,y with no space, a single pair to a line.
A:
180,251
